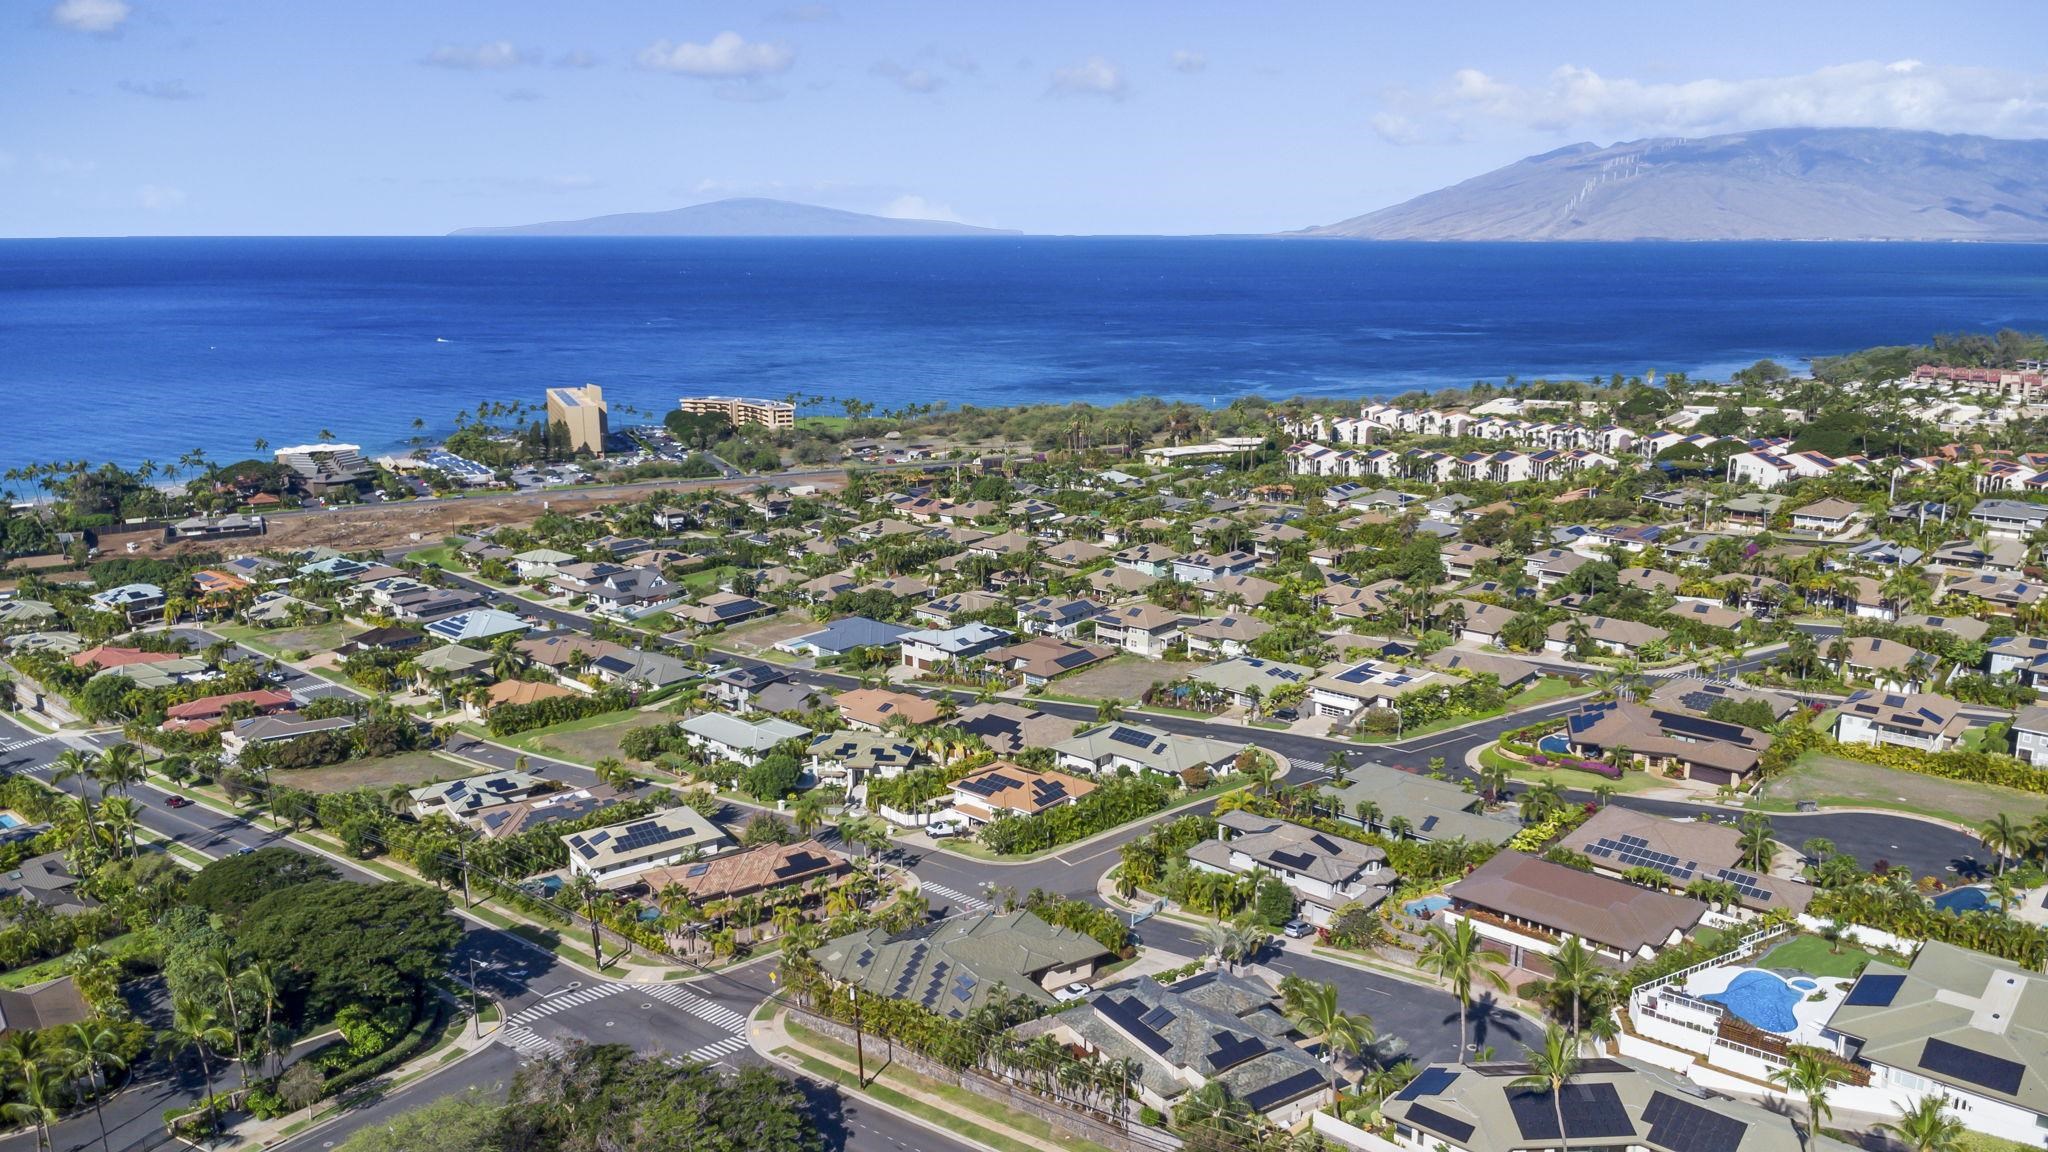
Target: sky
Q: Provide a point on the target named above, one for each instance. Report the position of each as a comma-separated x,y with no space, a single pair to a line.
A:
212,117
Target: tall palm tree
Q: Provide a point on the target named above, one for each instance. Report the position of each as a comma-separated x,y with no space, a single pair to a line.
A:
120,767
1928,1126
1318,1014
194,1028
1461,957
266,992
582,892
809,814
1810,1077
71,764
1552,1067
89,1049
1575,971
1757,845
2005,837
223,966
118,821
35,1092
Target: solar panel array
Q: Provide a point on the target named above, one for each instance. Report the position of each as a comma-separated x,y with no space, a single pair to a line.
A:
1635,852
1275,1094
1749,886
1131,736
1683,1126
910,967
1432,1082
1972,1067
1591,1112
1439,1123
1125,1013
1875,991
1228,1050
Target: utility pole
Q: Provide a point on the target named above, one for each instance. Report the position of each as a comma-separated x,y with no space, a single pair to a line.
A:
476,1019
462,857
859,1051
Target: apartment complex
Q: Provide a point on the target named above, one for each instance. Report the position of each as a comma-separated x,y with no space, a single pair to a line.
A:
583,412
742,410
320,468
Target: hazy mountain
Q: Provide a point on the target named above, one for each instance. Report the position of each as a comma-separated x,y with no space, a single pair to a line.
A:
1780,184
741,216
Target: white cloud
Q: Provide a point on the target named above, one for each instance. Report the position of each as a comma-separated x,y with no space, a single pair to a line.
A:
1866,94
919,80
490,56
911,207
158,197
728,55
100,16
158,89
1186,61
576,58
1094,76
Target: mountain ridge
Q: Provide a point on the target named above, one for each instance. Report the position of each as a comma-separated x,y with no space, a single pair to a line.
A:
740,216
1775,184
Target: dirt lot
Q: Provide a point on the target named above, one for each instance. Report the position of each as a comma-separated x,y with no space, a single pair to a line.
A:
589,745
411,769
760,635
1834,781
1125,678
277,641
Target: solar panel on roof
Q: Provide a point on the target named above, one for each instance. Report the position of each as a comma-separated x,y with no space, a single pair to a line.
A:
1432,1082
1124,1013
1437,1122
1230,1049
1683,1126
1591,1112
1131,736
1295,1086
1972,1067
1875,990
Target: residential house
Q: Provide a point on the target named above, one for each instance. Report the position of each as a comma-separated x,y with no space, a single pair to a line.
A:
1198,567
1154,560
719,609
1060,616
1003,789
732,738
1618,839
1552,565
875,709
512,692
466,797
133,602
1118,745
2030,735
239,735
1144,628
1909,719
1228,636
1833,516
1040,659
1009,729
1249,681
1211,1027
1512,674
842,636
615,853
934,648
1325,871
1888,664
953,966
737,686
1527,907
1679,745
208,712
1370,684
1410,806
851,758
748,872
2010,519
1607,634
480,624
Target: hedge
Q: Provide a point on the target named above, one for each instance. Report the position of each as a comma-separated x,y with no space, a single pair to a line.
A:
1973,767
422,1033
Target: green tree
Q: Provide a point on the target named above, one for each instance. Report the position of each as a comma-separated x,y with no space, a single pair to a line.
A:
194,1028
1551,1067
1809,1076
89,1049
1928,1126
1321,1018
1459,956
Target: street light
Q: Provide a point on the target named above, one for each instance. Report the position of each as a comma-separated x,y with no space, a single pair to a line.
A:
859,1051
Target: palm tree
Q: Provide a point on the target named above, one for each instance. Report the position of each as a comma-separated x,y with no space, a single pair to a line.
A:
223,966
1808,1075
1461,957
1757,846
1574,970
36,1100
1928,1126
809,814
1317,1013
194,1028
2004,836
265,991
72,764
90,1048
582,892
119,767
118,821
1552,1066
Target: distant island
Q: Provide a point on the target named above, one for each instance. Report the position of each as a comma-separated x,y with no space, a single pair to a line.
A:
1779,184
741,216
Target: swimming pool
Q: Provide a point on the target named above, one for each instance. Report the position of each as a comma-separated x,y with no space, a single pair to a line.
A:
1760,998
9,820
1963,900
1426,905
1554,745
1803,984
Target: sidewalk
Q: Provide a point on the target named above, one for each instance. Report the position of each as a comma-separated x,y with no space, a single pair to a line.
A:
910,1096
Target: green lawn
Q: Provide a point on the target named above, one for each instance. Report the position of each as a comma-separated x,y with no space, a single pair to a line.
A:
1835,782
439,556
1572,777
279,641
587,740
1812,955
707,579
1544,690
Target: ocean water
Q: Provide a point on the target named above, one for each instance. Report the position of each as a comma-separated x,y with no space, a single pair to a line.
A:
133,349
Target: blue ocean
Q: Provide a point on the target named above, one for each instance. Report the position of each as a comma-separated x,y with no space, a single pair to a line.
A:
133,349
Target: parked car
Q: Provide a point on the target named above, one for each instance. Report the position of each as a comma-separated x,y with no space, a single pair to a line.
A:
1287,714
175,801
1297,929
1072,992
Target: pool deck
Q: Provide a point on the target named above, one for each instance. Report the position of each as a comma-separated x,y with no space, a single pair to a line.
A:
1812,1014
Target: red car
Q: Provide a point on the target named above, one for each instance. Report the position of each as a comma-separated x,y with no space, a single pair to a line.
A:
176,802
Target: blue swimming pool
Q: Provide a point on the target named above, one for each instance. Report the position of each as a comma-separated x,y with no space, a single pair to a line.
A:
1554,745
1426,905
1803,984
1760,998
9,820
1963,900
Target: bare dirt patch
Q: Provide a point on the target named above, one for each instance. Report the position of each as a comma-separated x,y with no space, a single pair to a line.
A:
410,769
760,635
1124,679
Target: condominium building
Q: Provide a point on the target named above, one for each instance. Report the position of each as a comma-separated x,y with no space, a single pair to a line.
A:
742,410
320,468
583,412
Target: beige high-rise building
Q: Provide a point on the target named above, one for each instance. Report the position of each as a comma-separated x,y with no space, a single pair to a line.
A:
583,412
743,410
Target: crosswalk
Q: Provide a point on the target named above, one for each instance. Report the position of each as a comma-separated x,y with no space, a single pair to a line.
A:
953,897
529,1043
713,1052
705,1010
1297,764
519,1034
570,999
32,741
